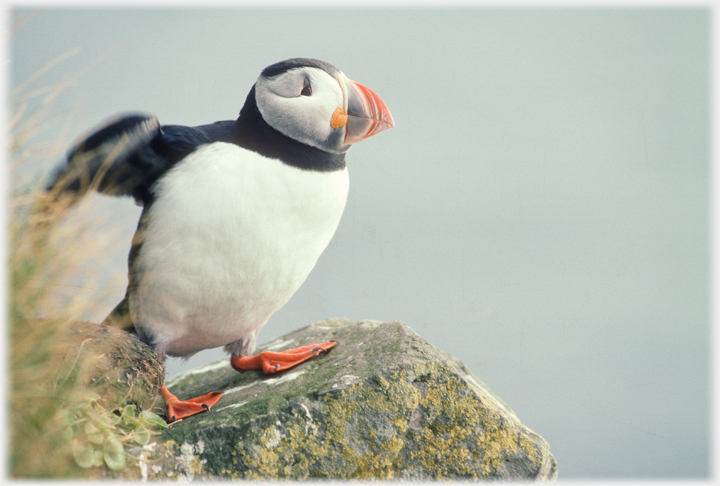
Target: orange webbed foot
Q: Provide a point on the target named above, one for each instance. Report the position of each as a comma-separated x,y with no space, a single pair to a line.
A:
180,409
272,362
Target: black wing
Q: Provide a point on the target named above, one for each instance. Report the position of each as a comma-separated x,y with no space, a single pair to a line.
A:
128,154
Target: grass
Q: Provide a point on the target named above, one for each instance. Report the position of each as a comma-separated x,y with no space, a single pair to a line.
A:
58,425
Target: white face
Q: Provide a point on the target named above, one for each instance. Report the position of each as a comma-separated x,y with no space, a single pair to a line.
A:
299,103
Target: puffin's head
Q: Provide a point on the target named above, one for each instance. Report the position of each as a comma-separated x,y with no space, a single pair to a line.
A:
314,103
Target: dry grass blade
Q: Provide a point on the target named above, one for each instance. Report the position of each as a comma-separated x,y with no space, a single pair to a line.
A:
46,398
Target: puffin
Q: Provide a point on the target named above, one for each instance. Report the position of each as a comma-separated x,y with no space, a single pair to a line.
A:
235,213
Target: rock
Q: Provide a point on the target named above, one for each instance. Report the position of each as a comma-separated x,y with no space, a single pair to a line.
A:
158,461
121,369
383,404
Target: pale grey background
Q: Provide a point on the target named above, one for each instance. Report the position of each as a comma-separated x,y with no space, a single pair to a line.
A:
540,211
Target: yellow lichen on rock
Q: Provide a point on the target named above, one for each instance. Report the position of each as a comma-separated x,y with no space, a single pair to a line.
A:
366,434
352,416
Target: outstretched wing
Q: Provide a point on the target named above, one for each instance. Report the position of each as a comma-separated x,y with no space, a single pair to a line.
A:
128,154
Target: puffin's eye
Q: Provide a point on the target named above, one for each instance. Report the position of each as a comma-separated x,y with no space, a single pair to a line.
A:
306,89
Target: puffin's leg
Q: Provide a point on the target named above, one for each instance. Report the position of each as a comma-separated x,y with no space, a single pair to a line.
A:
272,362
178,410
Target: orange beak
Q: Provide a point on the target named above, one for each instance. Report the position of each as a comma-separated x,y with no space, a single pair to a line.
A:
366,113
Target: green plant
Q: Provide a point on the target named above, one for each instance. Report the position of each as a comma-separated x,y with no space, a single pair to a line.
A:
99,436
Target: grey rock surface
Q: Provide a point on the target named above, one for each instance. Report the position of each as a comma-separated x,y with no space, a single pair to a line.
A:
383,404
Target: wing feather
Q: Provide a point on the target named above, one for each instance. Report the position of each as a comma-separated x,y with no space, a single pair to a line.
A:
126,155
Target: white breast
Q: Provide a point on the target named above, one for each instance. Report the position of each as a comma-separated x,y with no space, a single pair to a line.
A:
231,237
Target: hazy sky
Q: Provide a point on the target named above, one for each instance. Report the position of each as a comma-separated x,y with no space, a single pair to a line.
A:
540,210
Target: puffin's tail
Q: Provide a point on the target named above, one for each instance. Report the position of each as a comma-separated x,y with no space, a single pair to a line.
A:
120,318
